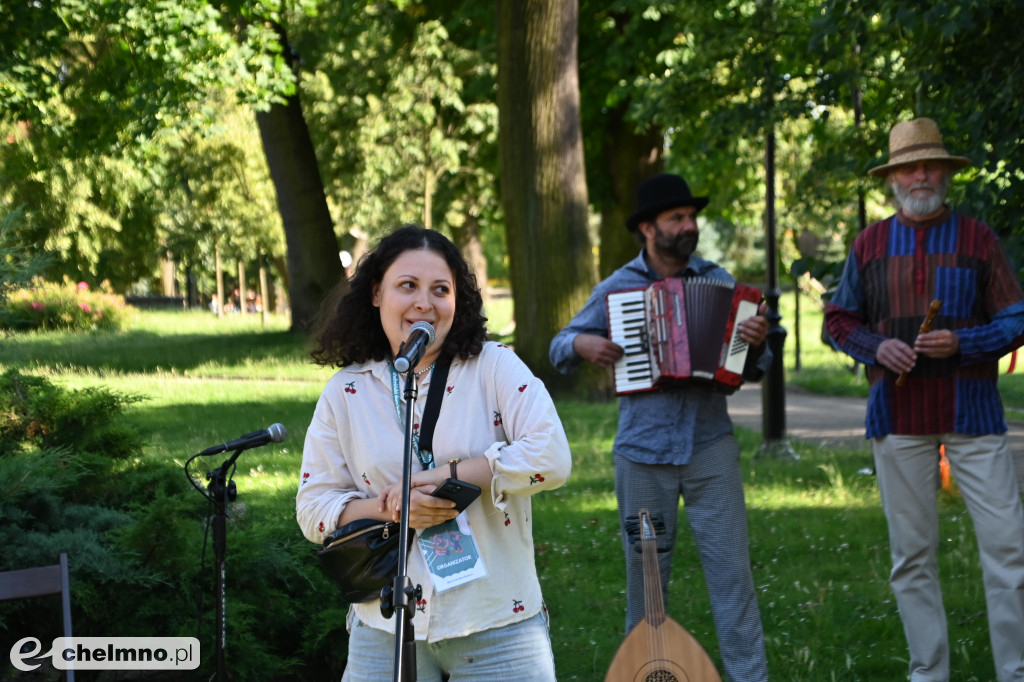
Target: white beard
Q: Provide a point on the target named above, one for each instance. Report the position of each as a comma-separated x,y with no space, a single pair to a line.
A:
920,206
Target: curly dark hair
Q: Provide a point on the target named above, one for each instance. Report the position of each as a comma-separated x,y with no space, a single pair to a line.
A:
348,329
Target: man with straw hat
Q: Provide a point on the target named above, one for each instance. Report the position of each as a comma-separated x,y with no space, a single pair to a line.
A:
937,388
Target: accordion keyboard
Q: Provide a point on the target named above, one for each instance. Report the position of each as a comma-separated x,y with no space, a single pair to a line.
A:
627,327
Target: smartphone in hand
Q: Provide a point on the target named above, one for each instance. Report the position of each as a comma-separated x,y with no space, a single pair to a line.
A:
459,492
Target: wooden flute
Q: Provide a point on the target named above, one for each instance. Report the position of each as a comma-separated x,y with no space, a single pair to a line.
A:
926,326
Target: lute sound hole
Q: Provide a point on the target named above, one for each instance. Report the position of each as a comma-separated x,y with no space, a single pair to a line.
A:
661,676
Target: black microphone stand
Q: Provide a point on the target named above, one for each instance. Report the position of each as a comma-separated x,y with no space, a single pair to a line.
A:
402,596
221,491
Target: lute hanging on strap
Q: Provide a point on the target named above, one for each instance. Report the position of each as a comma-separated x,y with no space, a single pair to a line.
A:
658,649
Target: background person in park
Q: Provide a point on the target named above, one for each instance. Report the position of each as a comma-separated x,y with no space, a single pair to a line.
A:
896,268
678,441
496,421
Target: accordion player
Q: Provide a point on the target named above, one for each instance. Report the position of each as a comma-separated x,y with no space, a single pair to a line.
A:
677,330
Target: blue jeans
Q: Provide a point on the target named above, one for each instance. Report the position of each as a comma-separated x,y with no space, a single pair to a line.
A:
520,652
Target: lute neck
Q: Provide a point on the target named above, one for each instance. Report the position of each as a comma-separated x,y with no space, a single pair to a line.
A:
654,601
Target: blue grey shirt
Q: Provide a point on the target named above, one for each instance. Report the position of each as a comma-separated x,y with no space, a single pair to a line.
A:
663,426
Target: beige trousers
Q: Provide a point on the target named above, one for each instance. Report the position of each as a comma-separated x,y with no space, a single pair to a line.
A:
908,479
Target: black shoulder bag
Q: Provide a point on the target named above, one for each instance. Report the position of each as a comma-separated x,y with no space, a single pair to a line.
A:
361,557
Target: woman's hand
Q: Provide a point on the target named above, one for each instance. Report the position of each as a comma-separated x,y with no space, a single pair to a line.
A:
425,510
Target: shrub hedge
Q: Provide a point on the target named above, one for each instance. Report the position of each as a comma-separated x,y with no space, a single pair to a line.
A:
64,306
73,479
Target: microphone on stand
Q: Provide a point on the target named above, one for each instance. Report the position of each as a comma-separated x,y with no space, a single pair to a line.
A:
275,433
421,335
220,491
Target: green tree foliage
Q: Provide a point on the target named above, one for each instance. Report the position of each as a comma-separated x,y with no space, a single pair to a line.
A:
401,108
98,75
220,192
619,47
108,109
19,263
957,62
102,104
86,212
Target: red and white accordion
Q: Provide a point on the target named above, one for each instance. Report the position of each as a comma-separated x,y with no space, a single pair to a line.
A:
676,330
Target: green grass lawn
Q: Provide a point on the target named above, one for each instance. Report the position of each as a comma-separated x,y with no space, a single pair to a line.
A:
818,537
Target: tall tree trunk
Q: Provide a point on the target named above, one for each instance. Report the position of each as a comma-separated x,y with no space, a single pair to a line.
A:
543,182
168,279
313,264
280,301
262,307
243,290
218,267
467,238
631,156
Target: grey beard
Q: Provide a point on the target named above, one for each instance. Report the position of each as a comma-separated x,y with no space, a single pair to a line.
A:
920,207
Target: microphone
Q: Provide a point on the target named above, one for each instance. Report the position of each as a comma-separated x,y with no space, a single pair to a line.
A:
421,335
275,433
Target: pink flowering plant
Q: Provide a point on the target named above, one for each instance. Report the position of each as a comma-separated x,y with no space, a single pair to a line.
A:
68,306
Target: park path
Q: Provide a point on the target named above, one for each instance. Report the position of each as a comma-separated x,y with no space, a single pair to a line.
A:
826,420
830,421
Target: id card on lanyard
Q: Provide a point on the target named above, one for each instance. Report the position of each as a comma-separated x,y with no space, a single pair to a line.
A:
451,553
449,549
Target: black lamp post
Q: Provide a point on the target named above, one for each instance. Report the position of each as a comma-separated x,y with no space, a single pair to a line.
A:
773,388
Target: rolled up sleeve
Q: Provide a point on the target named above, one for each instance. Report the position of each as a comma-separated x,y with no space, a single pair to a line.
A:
536,455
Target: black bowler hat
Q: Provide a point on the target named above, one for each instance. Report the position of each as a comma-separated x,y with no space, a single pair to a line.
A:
661,193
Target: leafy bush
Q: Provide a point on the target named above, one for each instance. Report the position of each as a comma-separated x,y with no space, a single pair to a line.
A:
74,479
59,454
64,306
34,411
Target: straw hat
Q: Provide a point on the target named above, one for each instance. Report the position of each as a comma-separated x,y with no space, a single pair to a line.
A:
661,193
917,140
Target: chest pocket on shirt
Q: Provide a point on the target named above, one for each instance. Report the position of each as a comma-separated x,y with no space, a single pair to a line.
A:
957,288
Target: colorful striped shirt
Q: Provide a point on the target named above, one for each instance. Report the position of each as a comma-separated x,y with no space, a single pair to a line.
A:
895,269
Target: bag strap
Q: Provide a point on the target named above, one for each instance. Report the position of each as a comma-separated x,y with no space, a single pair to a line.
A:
438,380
